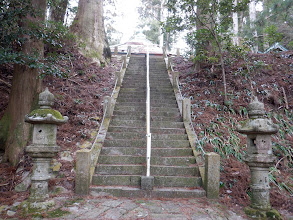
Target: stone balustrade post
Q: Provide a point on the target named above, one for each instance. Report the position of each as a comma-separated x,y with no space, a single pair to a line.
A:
259,158
212,175
124,60
169,63
83,165
107,107
119,77
129,51
186,110
175,78
164,51
178,52
43,147
116,50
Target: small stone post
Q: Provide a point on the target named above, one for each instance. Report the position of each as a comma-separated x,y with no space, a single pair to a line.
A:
175,77
124,60
129,51
116,50
259,158
43,147
212,175
186,110
169,63
108,104
178,52
83,166
119,77
164,51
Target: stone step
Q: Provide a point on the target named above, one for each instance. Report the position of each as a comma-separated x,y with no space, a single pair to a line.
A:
142,143
177,181
114,180
131,135
162,152
135,180
136,192
155,90
106,169
143,129
167,105
143,118
143,96
154,110
130,159
163,100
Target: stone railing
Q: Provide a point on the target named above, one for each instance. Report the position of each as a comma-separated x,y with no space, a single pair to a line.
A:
86,159
209,163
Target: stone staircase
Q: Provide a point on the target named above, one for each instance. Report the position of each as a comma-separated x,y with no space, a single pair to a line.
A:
122,160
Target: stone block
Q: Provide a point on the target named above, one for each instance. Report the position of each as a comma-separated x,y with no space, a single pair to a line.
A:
212,175
147,183
115,50
186,110
82,178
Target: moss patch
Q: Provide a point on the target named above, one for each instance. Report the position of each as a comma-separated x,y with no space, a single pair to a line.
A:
44,112
57,213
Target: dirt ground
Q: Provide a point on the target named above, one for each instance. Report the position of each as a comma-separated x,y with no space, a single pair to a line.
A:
80,98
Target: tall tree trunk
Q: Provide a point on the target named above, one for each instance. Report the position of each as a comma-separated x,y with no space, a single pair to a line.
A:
89,26
25,86
252,19
58,10
235,26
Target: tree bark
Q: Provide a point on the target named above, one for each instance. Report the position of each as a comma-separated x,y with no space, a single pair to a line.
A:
89,26
25,86
58,10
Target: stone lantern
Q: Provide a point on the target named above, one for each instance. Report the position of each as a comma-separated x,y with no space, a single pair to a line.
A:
43,147
259,157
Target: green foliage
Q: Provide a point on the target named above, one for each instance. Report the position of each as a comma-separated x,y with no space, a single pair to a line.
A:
212,20
15,34
273,36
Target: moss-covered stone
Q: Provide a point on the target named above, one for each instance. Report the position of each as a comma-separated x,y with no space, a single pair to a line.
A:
44,112
274,214
262,214
56,213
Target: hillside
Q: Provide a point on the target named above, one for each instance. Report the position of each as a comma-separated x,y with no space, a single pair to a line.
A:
80,98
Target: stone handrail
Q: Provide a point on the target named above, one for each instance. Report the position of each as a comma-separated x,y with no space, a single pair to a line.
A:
86,159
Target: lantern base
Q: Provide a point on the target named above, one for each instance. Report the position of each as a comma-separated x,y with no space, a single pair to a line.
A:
262,214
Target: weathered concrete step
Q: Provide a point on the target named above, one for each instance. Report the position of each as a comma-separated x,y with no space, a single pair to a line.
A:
166,124
125,113
143,96
167,105
136,192
157,170
142,129
177,181
163,161
142,143
112,180
128,123
163,152
121,159
163,100
107,169
156,90
131,116
135,180
131,135
129,108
